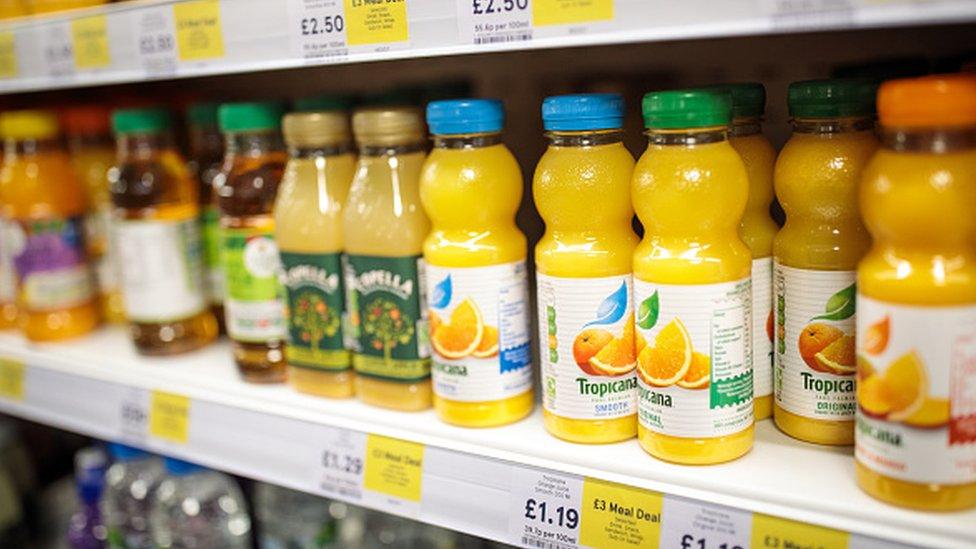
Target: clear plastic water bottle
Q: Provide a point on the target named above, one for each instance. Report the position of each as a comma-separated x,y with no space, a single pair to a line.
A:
86,529
196,508
130,484
288,519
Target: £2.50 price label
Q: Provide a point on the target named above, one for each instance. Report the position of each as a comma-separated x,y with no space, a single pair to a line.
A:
169,417
91,47
199,35
494,21
694,524
370,22
393,467
318,28
779,533
545,508
615,515
11,379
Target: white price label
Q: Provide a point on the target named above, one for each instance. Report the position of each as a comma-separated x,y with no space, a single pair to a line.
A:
341,462
317,28
545,508
691,524
134,415
56,46
494,21
155,35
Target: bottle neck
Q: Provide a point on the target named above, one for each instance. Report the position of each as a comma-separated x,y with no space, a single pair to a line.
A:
367,149
307,152
254,143
206,141
746,126
143,145
467,141
687,137
929,140
14,148
589,138
833,125
90,141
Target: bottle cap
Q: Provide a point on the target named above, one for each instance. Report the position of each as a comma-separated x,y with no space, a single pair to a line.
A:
462,116
930,101
690,108
839,98
387,126
28,124
121,452
316,129
148,120
319,103
748,98
582,112
202,115
179,467
85,120
250,117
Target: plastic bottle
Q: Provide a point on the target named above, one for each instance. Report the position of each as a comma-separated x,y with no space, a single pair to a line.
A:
288,519
476,271
130,486
86,529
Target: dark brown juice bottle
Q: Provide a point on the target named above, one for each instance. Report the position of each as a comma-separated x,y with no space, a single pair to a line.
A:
157,237
246,189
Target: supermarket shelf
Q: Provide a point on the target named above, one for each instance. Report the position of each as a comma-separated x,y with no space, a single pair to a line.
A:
161,39
476,481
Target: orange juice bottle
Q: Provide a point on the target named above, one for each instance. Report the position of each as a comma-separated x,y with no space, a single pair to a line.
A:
384,227
157,235
477,278
915,441
757,231
44,205
92,155
691,282
583,271
815,257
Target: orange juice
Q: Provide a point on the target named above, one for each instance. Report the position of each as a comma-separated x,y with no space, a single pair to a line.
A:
44,204
757,231
477,279
384,227
915,442
815,256
692,283
583,271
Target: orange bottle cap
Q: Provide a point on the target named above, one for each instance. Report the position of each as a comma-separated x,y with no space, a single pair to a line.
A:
929,101
85,120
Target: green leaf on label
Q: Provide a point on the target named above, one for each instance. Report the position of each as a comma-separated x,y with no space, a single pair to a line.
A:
840,305
648,311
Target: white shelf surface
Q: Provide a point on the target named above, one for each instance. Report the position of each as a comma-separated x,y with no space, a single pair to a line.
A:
99,386
161,39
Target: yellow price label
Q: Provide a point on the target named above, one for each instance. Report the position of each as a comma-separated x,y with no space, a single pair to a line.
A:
779,533
614,515
198,30
394,467
11,379
570,12
169,417
90,38
8,55
376,21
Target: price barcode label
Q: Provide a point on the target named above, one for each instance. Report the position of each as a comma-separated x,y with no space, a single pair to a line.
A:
169,417
615,515
318,28
341,462
780,533
494,21
694,524
8,55
155,35
12,379
91,46
394,467
545,509
199,35
57,50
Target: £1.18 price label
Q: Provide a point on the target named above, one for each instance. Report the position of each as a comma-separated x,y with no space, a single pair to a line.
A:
694,524
545,508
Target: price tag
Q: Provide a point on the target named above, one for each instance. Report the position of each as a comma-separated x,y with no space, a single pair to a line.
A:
155,36
615,515
90,37
57,49
494,21
780,533
376,21
169,417
11,379
8,55
545,508
809,14
318,28
393,467
570,12
198,32
341,463
134,415
691,524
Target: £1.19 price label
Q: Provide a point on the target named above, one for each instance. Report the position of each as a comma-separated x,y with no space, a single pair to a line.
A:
545,508
694,524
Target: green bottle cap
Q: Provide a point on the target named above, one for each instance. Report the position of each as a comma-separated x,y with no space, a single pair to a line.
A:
748,99
691,108
202,114
838,98
146,120
247,117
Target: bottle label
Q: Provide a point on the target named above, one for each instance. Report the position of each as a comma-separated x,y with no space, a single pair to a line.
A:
385,297
479,331
916,394
50,261
8,275
762,326
815,355
161,267
210,224
694,374
254,309
586,334
313,283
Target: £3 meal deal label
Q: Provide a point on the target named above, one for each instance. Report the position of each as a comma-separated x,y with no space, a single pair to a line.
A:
695,379
479,331
615,515
916,393
814,349
586,340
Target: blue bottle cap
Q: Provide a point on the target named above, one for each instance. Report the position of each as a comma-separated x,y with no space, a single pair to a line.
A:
461,116
121,452
582,112
89,490
179,467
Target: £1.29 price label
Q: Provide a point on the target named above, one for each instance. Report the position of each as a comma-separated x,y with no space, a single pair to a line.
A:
341,456
545,508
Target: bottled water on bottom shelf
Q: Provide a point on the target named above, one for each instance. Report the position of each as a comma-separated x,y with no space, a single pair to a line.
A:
196,508
130,485
288,519
86,529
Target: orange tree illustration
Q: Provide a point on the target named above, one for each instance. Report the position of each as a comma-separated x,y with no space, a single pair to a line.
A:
386,326
314,319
